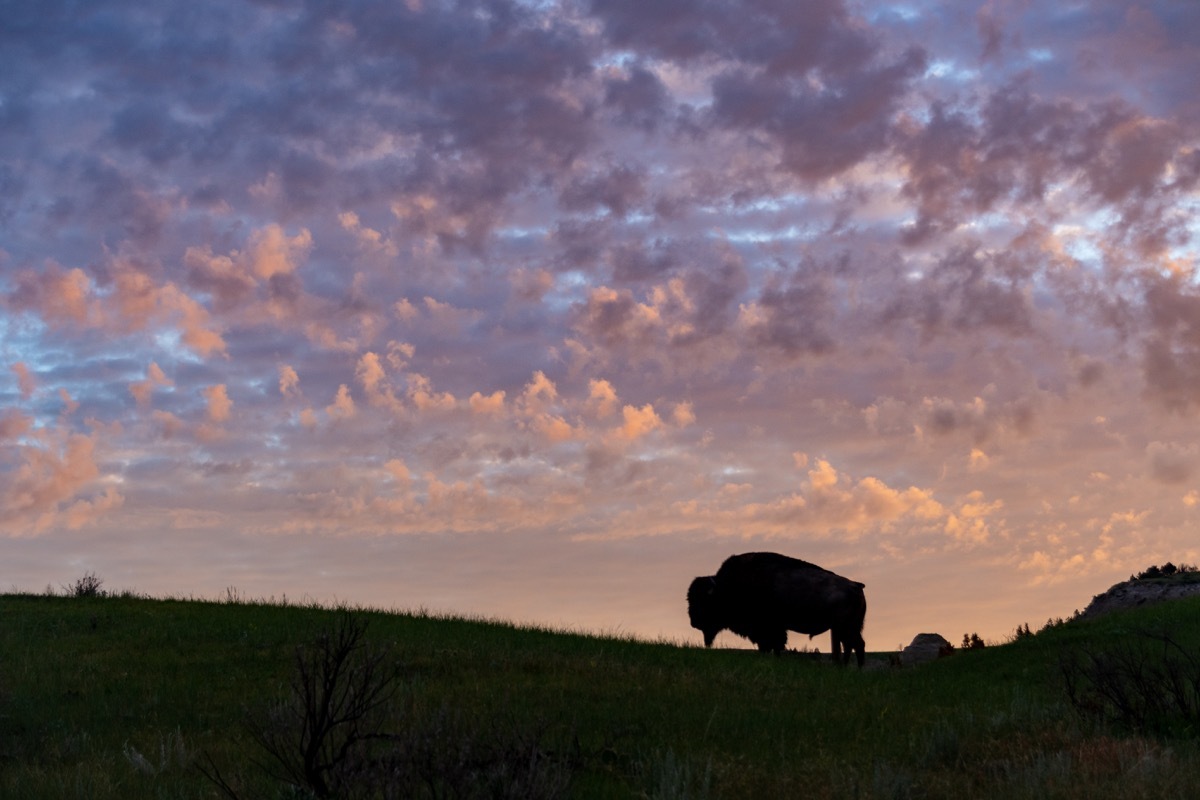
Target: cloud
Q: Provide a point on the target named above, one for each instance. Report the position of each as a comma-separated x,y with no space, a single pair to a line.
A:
85,511
968,523
399,472
828,501
26,383
273,252
489,405
615,318
683,414
371,376
343,406
56,296
426,398
289,381
638,422
1171,462
219,406
142,390
14,424
45,480
602,398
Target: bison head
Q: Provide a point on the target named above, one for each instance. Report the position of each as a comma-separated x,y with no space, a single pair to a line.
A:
704,608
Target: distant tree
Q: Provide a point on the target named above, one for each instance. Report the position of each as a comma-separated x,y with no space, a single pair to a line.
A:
972,642
1023,632
1167,570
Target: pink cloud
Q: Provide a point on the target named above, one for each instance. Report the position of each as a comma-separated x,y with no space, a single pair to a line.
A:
289,381
155,378
343,405
488,405
638,422
47,482
217,400
26,383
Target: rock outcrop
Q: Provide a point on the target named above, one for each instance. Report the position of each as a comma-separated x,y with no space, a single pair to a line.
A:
1140,592
925,647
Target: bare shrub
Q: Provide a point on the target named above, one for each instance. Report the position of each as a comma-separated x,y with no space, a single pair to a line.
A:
1150,683
345,731
339,693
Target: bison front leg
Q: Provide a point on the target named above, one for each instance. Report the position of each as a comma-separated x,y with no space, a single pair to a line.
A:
841,653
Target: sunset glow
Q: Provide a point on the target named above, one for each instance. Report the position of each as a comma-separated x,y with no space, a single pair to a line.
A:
537,310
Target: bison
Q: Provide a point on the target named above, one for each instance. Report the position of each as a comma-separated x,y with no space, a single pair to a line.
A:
762,596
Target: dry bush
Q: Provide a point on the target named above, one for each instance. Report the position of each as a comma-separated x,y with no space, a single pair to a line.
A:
86,586
347,729
1148,683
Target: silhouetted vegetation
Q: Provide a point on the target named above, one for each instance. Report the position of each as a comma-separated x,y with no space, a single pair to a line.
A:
342,732
86,586
972,642
1167,570
1148,682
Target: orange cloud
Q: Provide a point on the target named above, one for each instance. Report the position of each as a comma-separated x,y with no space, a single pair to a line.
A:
425,398
53,472
14,424
142,390
683,415
289,381
342,406
219,404
490,405
272,252
26,383
639,421
602,398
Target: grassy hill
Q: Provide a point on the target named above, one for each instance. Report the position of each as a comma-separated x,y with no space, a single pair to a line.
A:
125,697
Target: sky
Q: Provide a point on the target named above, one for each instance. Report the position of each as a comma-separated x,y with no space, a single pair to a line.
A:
536,310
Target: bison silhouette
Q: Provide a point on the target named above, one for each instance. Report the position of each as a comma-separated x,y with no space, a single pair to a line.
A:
762,596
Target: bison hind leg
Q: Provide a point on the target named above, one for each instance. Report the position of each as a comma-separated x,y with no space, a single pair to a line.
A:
846,643
855,642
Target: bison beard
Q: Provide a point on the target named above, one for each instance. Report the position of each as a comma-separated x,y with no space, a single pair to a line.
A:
762,596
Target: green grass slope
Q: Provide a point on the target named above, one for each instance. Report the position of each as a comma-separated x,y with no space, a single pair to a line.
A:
115,697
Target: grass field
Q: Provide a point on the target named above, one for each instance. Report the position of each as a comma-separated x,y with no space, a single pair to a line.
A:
126,697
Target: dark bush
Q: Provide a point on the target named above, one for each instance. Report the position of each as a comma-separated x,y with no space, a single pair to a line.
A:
340,691
350,729
87,586
1148,683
